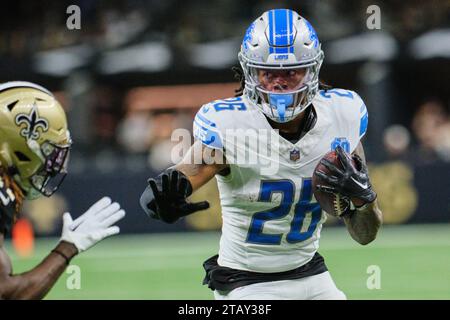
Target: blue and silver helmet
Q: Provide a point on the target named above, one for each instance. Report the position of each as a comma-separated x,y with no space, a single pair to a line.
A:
281,40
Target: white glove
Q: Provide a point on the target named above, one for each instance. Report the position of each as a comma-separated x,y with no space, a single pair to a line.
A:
92,226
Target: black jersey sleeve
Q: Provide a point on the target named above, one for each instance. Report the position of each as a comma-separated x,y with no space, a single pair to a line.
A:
10,201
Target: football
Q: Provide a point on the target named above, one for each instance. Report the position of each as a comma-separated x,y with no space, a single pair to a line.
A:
333,204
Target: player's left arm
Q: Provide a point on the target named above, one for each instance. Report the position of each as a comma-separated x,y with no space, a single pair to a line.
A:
364,221
363,218
78,235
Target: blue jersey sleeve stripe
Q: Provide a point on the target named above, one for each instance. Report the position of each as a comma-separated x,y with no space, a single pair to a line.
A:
204,120
364,122
208,136
201,125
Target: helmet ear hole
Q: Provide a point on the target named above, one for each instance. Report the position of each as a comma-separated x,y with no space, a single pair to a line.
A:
21,156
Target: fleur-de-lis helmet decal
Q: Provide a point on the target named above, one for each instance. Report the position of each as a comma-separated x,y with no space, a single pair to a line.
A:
32,123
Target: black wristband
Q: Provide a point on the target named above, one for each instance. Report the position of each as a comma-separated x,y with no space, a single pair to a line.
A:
62,255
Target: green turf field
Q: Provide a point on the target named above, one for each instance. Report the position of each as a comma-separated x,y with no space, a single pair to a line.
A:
414,262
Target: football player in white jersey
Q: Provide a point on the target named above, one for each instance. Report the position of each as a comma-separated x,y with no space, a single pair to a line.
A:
271,222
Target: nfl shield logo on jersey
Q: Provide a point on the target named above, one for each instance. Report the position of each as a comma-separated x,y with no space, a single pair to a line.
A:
294,155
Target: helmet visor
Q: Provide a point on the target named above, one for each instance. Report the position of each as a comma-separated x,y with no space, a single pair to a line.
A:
54,169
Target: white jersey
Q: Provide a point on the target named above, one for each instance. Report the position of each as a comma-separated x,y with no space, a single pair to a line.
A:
271,221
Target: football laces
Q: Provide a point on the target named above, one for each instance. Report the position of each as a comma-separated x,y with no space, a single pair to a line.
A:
340,204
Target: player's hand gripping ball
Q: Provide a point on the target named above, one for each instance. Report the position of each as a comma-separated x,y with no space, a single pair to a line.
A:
339,179
333,203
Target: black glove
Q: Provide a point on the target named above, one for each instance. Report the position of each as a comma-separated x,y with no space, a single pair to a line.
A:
165,197
351,181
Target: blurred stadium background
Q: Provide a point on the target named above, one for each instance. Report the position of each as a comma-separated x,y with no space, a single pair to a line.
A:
137,70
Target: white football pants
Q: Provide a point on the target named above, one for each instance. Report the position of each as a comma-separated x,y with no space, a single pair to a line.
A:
318,287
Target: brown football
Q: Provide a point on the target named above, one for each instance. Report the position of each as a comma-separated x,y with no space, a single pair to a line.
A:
332,204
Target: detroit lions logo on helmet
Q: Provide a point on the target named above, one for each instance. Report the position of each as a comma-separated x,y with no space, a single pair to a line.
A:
248,36
312,34
32,122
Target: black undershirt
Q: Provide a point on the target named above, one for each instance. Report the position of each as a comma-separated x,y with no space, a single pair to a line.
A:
307,124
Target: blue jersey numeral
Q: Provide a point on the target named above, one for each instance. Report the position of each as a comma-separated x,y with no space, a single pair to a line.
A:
302,207
287,190
340,93
230,104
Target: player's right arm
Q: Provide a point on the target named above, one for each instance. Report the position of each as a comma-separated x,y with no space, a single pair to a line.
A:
165,198
35,283
77,236
212,162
